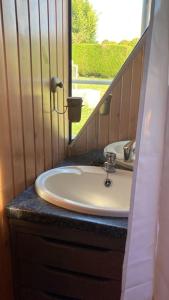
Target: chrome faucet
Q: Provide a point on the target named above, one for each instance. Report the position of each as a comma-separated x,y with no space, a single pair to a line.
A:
128,149
110,162
109,167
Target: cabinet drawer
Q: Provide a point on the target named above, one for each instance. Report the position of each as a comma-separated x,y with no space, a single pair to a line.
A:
67,284
26,294
91,260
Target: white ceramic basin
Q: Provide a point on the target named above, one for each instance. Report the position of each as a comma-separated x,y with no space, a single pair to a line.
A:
117,148
81,189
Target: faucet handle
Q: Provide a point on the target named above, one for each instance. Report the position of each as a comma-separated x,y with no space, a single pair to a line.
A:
110,162
110,156
128,149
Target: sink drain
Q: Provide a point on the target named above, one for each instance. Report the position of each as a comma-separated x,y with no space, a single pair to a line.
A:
107,182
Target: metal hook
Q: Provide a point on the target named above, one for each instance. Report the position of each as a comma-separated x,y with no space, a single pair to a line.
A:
54,83
55,109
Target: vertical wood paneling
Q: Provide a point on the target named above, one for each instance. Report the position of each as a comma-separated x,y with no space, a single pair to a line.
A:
44,47
6,178
36,84
26,88
81,146
114,117
92,138
103,130
66,25
31,138
121,123
125,103
135,94
53,71
13,87
60,94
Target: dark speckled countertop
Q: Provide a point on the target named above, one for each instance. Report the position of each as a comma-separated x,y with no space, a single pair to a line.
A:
28,206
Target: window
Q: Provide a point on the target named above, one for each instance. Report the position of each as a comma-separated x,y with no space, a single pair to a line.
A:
104,33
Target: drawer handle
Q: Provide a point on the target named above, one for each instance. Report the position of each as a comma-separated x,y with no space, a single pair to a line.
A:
74,245
52,296
75,273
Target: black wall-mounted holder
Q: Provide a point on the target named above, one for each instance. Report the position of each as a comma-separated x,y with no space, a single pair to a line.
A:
105,107
74,105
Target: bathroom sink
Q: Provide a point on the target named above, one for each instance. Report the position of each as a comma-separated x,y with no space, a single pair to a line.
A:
82,189
117,148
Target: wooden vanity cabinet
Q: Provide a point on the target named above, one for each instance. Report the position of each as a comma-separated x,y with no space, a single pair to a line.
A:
56,262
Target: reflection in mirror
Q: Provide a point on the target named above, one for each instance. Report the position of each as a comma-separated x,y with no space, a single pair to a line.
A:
104,34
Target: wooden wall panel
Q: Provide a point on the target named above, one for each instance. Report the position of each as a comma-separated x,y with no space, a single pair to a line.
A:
103,130
135,95
114,115
60,104
53,71
33,14
66,25
22,23
14,93
81,145
33,35
92,139
6,177
44,46
121,122
125,103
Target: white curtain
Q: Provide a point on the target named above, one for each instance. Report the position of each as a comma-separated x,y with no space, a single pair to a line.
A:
141,247
162,261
